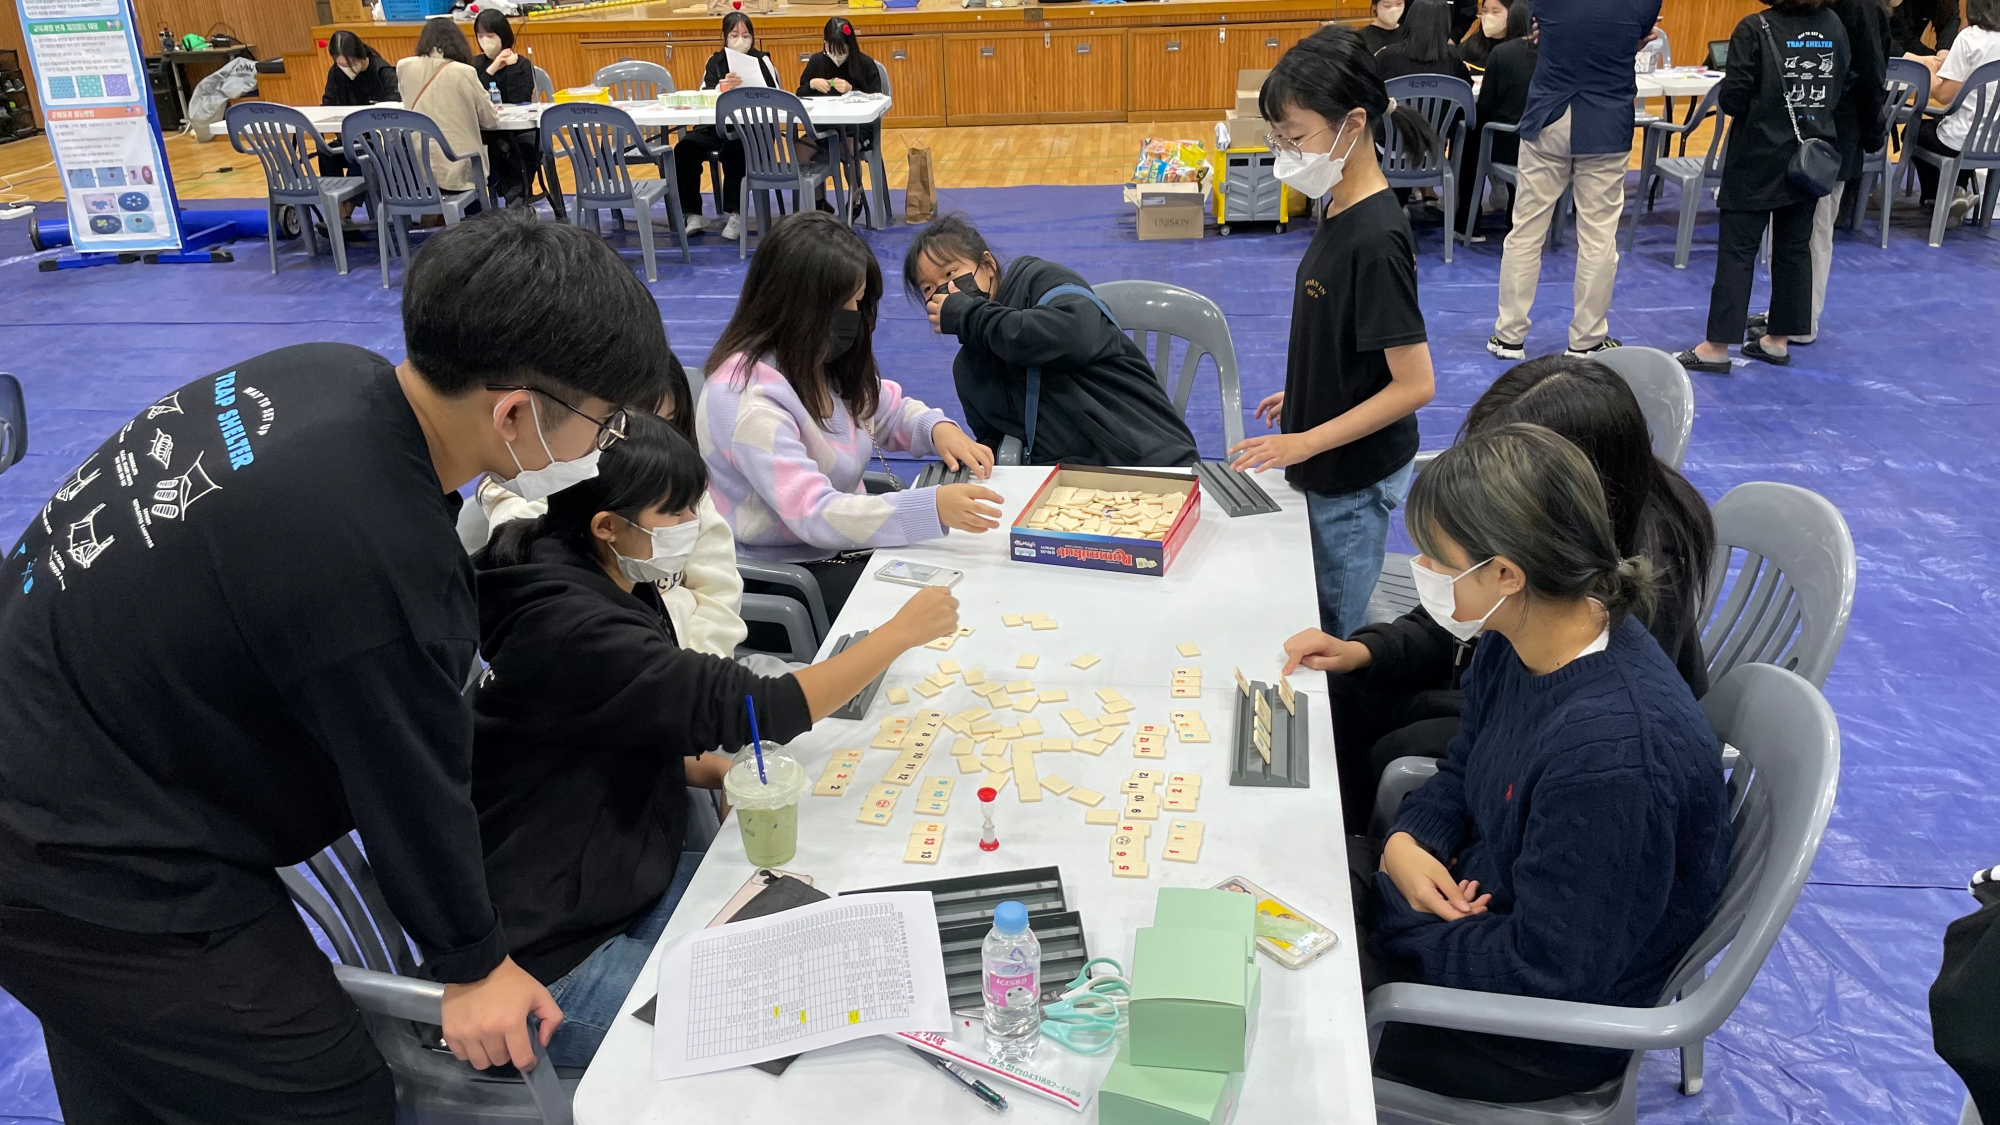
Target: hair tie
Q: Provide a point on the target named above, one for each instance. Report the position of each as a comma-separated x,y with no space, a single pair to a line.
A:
1392,107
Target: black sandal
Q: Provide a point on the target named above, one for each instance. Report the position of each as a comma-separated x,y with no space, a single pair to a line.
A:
1754,349
1689,360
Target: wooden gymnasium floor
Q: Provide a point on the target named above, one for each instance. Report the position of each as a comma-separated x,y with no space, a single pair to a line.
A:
981,156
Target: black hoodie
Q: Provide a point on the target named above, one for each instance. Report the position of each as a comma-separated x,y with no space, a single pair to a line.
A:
376,84
582,723
1101,403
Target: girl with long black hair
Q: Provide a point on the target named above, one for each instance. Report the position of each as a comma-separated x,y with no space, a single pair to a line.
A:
703,143
592,720
1358,366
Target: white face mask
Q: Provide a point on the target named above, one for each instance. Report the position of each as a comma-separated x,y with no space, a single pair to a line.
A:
671,548
352,72
837,55
1313,174
490,44
740,45
1434,590
1494,25
1389,14
536,484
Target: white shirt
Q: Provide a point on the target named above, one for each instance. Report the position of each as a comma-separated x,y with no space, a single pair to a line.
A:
1974,47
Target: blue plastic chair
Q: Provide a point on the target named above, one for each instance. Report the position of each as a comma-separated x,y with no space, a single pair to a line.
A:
284,143
1447,104
600,141
770,123
393,148
1781,788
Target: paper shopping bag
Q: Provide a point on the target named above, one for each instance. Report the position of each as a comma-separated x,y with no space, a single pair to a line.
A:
920,196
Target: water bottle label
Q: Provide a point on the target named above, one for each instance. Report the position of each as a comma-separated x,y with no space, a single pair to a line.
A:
998,985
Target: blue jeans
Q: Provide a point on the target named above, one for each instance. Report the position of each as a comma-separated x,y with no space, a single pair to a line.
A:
1350,531
591,994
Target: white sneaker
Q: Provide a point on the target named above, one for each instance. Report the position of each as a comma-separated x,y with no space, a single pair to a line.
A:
1961,203
696,224
733,229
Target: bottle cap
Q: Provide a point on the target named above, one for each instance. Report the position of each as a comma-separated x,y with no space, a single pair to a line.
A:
988,793
1010,917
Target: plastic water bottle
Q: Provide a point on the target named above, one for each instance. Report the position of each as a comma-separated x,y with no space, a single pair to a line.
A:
493,93
1013,957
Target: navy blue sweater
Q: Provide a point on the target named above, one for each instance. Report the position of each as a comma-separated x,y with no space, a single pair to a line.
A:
1590,803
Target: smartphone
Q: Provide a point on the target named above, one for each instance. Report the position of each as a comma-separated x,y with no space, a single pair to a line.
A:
917,574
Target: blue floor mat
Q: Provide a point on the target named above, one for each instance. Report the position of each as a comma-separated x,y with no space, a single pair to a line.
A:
1894,415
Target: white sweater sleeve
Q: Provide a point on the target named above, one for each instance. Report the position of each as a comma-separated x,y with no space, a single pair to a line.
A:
706,608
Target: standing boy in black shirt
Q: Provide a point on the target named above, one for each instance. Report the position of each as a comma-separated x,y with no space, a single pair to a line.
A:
1359,366
239,630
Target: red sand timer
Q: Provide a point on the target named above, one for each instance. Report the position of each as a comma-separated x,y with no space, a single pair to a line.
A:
988,842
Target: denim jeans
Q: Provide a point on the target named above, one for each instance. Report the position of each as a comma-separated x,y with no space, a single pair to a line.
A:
1349,533
591,994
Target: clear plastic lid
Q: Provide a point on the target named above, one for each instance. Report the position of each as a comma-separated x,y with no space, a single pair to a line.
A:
784,781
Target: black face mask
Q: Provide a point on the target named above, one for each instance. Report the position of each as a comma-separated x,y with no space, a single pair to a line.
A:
967,284
846,330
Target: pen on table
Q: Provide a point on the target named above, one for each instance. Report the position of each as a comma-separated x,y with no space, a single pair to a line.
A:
979,1089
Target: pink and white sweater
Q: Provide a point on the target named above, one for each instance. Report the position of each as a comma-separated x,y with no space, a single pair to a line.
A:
791,489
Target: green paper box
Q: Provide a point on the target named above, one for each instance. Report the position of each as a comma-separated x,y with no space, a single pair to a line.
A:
1193,908
1194,999
1151,1095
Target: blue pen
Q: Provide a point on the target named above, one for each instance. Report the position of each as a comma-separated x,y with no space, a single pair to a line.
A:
979,1089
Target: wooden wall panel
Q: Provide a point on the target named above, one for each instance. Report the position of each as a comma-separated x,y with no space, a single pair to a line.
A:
1690,24
272,26
916,78
991,79
1181,69
1084,76
1259,47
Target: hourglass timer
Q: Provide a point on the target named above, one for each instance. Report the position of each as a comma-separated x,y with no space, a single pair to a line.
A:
988,842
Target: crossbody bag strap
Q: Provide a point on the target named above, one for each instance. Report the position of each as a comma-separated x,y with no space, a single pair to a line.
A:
1035,373
1777,67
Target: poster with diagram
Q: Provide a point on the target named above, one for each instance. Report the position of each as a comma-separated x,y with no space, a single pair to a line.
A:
97,103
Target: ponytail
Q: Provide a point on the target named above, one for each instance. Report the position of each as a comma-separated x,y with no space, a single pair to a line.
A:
1331,73
1632,586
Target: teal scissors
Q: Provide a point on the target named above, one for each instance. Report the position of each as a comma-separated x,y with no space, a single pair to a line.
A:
1092,1010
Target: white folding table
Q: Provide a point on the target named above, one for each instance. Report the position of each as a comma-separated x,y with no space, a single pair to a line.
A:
1237,590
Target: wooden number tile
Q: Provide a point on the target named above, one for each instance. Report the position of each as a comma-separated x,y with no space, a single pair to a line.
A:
898,696
1100,816
1129,870
970,764
1086,661
1188,649
1056,785
1087,797
1056,695
1182,853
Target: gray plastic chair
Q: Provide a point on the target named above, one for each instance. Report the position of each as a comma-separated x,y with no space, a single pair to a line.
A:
630,80
545,87
1919,75
1446,103
1904,96
770,123
1665,394
393,148
284,142
1666,398
878,176
600,141
1509,174
1155,313
1785,599
1781,794
13,423
1980,150
1692,175
337,889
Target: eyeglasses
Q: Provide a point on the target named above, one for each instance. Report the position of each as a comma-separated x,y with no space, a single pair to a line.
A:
610,431
1281,146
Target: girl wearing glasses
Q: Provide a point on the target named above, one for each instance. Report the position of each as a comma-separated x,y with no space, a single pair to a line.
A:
1358,365
594,719
796,408
704,599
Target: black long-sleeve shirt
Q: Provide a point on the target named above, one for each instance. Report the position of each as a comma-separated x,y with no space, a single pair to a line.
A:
516,80
239,630
1100,403
1510,70
859,71
1858,127
718,69
1812,58
1909,21
1394,61
585,717
377,83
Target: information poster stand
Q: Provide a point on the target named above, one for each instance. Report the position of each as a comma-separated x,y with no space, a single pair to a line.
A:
104,133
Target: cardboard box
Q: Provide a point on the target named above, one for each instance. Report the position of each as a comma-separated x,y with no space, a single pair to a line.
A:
1247,132
1249,83
1192,999
1150,557
1148,1095
1171,214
